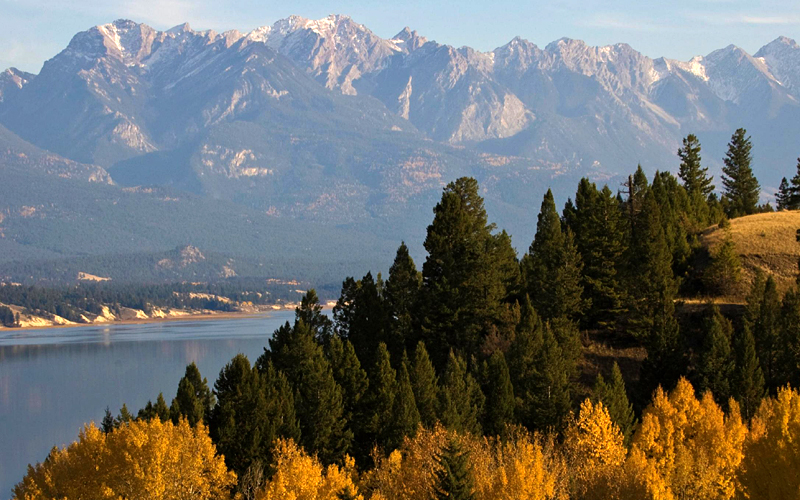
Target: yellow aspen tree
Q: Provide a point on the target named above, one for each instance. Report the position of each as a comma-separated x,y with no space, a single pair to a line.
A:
687,448
771,466
299,476
409,473
596,452
146,460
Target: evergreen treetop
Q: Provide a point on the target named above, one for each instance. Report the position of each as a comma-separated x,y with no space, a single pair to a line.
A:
741,186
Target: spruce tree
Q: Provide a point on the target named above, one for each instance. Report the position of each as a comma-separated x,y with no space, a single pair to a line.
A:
674,206
716,361
600,239
454,479
124,417
794,190
748,380
507,266
500,401
763,316
790,338
353,380
741,187
694,176
425,386
461,285
253,410
460,398
652,290
194,399
161,409
552,267
107,424
317,397
615,398
783,198
310,312
380,399
362,317
724,275
406,415
402,293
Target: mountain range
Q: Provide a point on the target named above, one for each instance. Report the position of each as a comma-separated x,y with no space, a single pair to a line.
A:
315,124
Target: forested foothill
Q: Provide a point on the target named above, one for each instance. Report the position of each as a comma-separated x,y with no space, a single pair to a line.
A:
473,377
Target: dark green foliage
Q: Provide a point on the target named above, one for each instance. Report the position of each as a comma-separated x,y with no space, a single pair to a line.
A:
552,267
539,373
724,275
790,338
402,290
600,238
454,479
107,425
124,416
361,316
461,285
318,399
794,190
380,400
716,360
460,398
425,386
652,291
500,402
674,204
351,378
763,318
615,398
694,176
160,410
741,186
507,265
406,414
783,198
310,312
7,318
194,399
253,410
748,379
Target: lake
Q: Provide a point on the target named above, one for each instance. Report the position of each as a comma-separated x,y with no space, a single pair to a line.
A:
52,381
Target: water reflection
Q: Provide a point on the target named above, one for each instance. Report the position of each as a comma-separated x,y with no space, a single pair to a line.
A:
53,381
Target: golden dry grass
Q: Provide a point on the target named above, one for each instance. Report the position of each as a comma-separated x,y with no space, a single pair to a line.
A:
763,241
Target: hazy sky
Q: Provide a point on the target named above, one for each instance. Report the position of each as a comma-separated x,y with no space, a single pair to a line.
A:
32,31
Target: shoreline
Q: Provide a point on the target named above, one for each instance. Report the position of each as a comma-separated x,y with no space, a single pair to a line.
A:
144,321
205,315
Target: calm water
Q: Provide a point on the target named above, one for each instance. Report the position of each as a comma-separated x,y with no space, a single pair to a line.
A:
53,381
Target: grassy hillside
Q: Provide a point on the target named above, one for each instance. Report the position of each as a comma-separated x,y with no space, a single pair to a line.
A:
765,242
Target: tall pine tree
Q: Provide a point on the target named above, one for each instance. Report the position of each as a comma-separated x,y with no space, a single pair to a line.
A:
748,380
741,186
425,386
552,267
461,285
615,397
783,198
402,292
454,479
763,318
194,399
500,401
694,176
716,361
460,398
600,238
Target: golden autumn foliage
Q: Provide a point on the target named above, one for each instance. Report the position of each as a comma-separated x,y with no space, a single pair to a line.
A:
685,448
143,460
596,452
299,476
520,467
771,467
